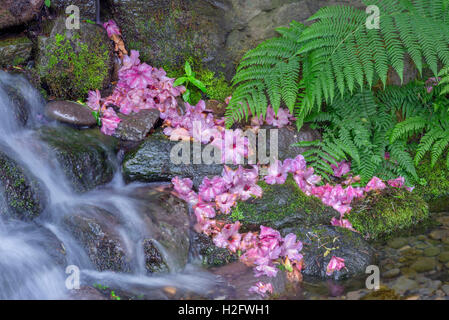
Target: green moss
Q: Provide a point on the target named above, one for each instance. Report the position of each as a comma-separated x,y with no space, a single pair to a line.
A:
435,189
382,214
74,68
283,206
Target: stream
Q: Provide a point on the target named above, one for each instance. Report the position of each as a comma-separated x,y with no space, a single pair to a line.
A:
35,254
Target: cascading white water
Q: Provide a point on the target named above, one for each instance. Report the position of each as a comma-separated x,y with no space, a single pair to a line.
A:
27,269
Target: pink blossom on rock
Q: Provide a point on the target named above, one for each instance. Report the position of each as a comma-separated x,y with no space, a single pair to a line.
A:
396,183
290,248
341,169
229,237
375,184
205,210
343,223
335,264
93,100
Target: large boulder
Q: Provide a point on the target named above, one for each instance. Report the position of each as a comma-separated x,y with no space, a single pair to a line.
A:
95,230
217,33
382,214
86,156
87,7
15,50
71,62
151,162
16,12
24,196
71,113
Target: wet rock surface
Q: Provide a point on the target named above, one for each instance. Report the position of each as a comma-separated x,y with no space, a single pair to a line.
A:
136,126
70,112
16,12
84,155
151,162
24,196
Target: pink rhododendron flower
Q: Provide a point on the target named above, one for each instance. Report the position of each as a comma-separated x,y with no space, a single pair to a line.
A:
262,289
139,76
290,248
93,100
335,264
375,184
225,202
109,121
111,28
343,223
276,173
397,183
182,186
342,169
229,237
210,188
204,210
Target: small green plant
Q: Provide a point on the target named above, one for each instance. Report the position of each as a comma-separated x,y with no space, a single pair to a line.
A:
47,3
114,296
191,95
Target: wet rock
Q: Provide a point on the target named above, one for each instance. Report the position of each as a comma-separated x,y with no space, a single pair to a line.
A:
19,105
87,293
16,12
404,284
439,234
70,112
431,251
350,246
391,273
151,162
15,50
85,156
445,288
283,206
168,227
24,195
397,243
218,108
287,136
71,62
136,126
94,229
210,254
424,264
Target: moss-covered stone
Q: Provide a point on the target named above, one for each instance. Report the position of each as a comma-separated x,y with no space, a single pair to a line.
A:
72,62
211,255
382,214
24,197
283,206
435,188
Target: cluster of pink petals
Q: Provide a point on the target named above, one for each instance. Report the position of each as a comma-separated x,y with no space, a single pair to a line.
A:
341,169
262,289
335,264
282,119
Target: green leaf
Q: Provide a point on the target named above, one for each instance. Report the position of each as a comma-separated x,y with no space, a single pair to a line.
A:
179,81
48,3
197,83
188,69
96,115
186,96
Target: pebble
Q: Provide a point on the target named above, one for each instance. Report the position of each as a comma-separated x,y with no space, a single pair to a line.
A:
444,257
397,243
392,273
404,284
70,112
439,234
432,251
424,264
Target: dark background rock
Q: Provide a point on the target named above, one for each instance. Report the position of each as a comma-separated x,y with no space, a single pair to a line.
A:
16,12
70,112
85,156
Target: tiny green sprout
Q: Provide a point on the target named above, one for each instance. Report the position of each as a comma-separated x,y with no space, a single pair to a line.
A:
48,3
188,79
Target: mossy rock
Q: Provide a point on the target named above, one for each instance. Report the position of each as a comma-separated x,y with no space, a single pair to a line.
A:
211,255
382,214
86,156
72,62
24,196
283,206
436,188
